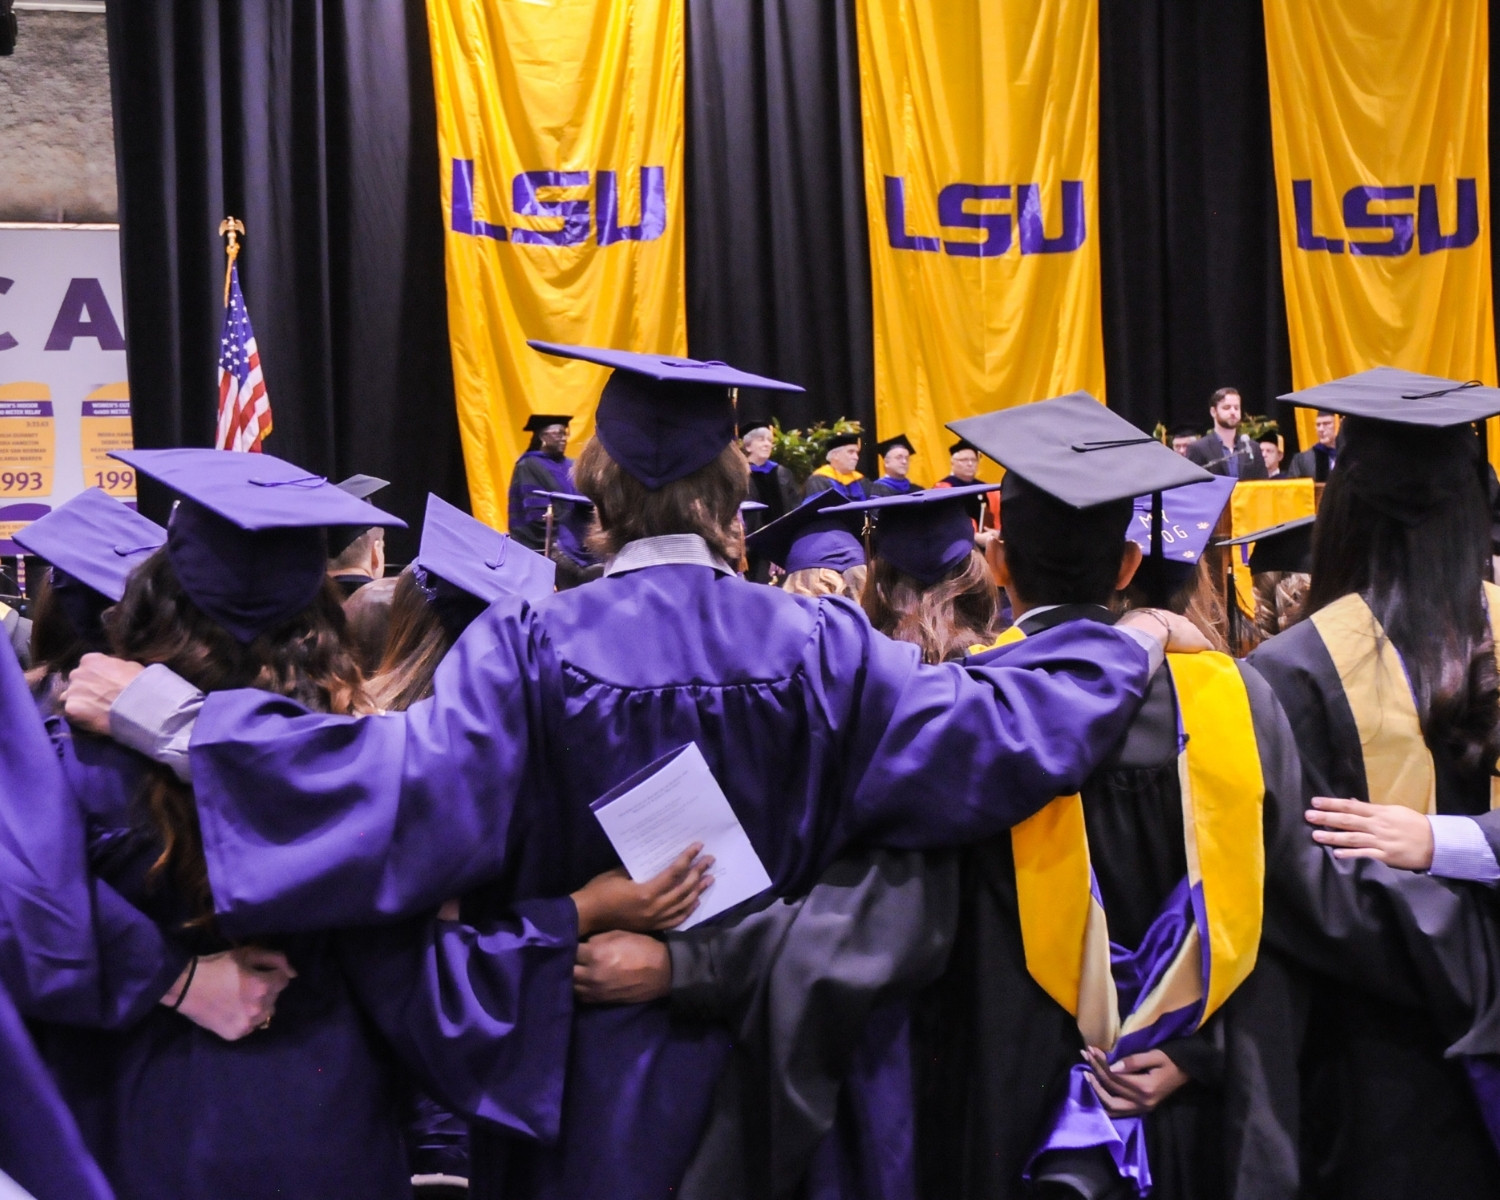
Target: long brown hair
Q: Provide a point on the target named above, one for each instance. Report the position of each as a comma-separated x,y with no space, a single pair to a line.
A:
306,659
943,619
417,643
706,503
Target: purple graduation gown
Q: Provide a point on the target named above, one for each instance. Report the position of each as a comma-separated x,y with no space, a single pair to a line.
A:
312,1106
821,732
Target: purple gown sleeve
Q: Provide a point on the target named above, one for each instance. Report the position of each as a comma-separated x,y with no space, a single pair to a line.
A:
393,814
481,1014
967,751
72,950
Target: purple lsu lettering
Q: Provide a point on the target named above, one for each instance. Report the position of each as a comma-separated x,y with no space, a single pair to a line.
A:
528,200
1430,237
1024,201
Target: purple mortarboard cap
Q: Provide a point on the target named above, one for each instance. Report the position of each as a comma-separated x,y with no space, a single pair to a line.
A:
1402,397
480,561
567,498
94,540
752,506
248,540
819,532
925,534
661,417
1188,517
361,487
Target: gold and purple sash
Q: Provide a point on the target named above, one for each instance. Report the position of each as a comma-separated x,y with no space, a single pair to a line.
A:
1398,764
1205,939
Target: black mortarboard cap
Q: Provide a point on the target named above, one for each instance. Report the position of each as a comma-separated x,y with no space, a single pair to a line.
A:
247,542
1284,547
540,421
1075,449
840,439
1402,398
819,532
749,427
926,534
963,444
885,447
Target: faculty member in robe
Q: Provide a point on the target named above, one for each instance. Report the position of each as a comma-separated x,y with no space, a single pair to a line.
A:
820,732
545,467
895,460
840,470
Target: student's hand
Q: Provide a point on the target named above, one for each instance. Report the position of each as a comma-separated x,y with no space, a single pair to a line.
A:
94,685
233,993
1177,634
621,968
1390,833
613,901
1137,1084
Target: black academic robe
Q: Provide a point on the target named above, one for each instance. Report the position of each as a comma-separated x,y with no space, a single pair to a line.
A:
1387,1115
994,1050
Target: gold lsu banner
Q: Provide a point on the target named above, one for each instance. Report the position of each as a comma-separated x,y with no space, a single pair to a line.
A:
981,138
560,130
1379,122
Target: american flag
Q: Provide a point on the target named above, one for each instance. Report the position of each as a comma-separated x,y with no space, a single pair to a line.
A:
244,409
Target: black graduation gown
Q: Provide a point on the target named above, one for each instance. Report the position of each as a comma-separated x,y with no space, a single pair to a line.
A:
994,1050
1386,1114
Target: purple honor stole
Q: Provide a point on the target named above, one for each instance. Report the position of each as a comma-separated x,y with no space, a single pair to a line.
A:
1203,942
1398,765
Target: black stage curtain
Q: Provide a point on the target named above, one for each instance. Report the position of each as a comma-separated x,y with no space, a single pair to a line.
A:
314,123
777,258
1191,265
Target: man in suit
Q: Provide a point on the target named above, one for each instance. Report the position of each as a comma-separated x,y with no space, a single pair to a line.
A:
1223,450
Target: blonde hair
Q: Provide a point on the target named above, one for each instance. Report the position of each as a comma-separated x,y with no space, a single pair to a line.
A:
825,581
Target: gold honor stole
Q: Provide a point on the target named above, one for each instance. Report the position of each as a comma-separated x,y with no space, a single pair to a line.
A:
838,476
1398,764
1063,924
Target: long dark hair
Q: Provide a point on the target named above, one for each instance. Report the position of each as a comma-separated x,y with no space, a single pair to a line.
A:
942,619
1405,523
306,658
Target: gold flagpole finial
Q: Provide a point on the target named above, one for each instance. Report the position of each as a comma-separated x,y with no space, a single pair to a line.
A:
234,228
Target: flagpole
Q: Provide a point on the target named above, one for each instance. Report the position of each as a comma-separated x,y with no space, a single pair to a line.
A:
233,228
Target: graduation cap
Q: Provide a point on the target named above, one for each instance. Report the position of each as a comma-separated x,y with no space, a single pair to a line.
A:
661,417
1076,450
841,439
750,427
752,506
248,541
361,487
819,532
93,541
963,444
1284,547
1189,515
925,534
1402,397
478,561
566,498
885,447
540,421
